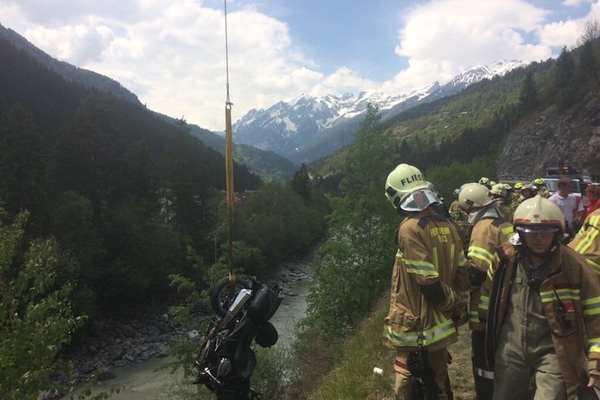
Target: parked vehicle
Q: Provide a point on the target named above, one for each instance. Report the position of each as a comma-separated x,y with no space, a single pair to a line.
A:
552,185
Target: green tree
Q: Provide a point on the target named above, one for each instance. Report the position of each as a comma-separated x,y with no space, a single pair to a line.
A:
22,164
564,82
352,270
528,98
301,183
587,68
35,314
277,221
591,31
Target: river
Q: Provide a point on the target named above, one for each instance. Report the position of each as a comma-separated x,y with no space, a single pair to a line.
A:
146,381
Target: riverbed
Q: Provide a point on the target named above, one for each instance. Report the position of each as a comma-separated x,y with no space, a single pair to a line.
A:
146,381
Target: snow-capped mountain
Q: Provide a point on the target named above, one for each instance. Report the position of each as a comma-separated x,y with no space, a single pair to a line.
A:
292,128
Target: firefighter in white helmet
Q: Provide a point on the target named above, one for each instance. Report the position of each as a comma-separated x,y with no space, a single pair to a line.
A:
500,194
490,230
429,283
541,302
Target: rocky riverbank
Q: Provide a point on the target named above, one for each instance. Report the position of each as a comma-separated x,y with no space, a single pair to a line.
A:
136,338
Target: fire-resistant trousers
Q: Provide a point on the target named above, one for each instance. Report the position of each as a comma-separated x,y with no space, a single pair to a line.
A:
439,363
525,349
483,378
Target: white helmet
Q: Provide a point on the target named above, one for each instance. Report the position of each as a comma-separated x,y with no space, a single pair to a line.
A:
484,181
474,195
499,189
538,212
401,186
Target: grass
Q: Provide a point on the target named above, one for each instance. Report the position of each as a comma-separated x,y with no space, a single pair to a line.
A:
352,376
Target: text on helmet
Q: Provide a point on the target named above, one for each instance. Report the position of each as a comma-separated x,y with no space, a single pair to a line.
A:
411,179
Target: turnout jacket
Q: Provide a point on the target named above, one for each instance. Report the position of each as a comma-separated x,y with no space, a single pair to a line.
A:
570,296
487,235
430,264
587,240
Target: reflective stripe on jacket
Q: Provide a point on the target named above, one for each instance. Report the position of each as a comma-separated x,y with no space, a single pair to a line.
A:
587,240
429,253
571,301
487,235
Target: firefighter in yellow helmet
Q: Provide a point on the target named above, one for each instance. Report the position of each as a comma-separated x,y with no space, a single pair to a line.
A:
489,231
540,302
516,193
542,188
429,285
587,241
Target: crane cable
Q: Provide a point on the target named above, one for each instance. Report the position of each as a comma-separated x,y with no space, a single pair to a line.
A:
229,160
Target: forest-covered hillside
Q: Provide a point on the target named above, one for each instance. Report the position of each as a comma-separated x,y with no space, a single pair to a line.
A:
123,191
533,117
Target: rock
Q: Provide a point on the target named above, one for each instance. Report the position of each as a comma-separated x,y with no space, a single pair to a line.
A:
107,374
117,352
92,349
87,367
194,336
127,331
95,328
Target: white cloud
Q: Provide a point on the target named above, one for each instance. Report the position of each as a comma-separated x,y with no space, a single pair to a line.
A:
341,81
559,34
79,44
444,38
172,54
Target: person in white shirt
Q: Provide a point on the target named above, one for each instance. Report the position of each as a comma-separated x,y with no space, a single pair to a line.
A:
568,203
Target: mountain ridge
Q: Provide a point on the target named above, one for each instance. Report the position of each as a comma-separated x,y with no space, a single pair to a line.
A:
266,164
293,128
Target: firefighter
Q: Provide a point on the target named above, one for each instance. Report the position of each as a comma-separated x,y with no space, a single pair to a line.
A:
489,231
460,217
540,302
500,195
485,182
542,188
429,285
587,241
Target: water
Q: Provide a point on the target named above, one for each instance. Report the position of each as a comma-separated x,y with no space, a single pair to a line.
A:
290,312
146,381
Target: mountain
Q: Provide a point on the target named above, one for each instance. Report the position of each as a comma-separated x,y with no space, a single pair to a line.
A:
69,72
266,164
307,128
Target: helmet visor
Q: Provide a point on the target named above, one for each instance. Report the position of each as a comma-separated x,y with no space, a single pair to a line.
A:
537,229
418,200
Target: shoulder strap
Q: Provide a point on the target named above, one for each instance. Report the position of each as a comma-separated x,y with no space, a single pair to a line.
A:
424,220
498,221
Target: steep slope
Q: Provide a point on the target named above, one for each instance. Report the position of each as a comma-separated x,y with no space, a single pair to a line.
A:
266,164
69,72
552,138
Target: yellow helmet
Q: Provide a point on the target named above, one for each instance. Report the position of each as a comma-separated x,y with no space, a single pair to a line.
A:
518,185
538,182
474,195
402,181
538,212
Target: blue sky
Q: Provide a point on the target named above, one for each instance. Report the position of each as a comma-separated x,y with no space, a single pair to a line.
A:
172,53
